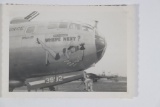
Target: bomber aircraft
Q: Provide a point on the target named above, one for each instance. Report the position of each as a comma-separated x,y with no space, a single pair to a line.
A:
46,54
96,77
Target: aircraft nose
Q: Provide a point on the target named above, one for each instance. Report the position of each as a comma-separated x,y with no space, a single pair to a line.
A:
100,46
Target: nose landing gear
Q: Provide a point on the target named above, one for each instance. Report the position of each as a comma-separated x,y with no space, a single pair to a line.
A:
52,88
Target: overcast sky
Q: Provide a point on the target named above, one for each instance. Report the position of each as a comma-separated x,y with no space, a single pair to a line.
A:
112,25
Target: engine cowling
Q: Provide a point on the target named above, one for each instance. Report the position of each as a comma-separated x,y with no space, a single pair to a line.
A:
15,83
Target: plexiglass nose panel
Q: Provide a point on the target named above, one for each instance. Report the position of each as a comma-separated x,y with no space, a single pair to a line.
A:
100,46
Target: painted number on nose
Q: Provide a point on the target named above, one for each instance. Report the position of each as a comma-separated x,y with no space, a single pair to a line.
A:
53,79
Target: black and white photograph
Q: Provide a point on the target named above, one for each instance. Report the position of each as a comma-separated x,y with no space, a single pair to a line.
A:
70,49
86,53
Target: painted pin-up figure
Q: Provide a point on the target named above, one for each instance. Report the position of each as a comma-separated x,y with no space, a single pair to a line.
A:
68,52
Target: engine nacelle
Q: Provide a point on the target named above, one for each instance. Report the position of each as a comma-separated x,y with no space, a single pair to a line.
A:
15,83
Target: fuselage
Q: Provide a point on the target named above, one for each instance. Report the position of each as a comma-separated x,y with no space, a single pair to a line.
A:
38,49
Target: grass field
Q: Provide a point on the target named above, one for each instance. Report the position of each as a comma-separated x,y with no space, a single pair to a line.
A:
102,85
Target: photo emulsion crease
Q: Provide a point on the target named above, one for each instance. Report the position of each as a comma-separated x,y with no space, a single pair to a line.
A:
53,51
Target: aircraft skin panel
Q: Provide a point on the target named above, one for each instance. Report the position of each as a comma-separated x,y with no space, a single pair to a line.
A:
37,54
27,62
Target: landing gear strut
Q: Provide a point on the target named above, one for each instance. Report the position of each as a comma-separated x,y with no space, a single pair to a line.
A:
52,88
11,89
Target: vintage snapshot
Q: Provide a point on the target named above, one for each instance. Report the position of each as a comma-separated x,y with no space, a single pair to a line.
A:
50,50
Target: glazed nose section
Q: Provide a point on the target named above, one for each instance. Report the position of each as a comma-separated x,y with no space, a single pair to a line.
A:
100,46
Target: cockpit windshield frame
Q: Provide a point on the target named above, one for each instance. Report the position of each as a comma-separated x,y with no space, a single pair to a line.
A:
71,26
75,26
53,26
87,28
63,25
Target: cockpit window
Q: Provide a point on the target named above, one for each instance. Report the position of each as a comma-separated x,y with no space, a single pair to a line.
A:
63,25
30,29
53,26
78,27
74,26
86,28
